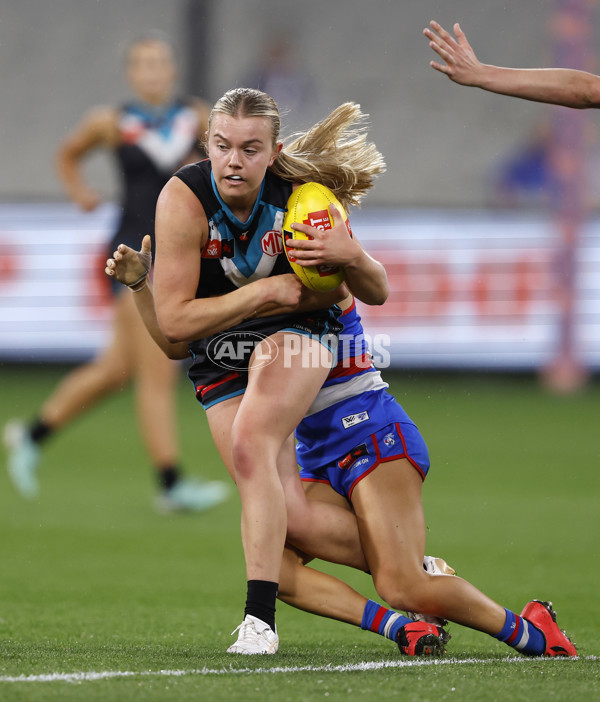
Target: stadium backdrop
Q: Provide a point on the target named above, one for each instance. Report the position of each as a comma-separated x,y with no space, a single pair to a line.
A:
468,289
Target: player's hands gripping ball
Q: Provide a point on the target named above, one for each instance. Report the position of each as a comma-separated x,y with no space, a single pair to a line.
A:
309,205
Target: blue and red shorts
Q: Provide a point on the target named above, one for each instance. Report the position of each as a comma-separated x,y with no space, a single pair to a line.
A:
362,432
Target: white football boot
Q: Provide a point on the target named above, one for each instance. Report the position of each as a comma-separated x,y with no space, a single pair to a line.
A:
254,637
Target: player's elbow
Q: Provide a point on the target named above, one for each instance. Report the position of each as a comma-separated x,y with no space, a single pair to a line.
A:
171,328
369,283
176,352
380,295
373,295
172,334
171,323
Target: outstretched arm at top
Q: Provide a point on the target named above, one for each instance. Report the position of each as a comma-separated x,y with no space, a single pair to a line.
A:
557,86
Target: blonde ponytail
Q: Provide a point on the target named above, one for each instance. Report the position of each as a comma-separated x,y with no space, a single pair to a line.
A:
334,152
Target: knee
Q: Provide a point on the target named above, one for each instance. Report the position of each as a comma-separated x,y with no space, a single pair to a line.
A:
406,590
246,450
241,457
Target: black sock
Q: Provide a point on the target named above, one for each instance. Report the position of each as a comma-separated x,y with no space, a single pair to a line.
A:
39,431
260,602
168,476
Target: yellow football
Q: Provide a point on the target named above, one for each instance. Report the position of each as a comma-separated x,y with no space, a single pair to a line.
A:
309,204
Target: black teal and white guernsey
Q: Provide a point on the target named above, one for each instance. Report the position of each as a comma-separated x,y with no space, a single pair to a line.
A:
235,254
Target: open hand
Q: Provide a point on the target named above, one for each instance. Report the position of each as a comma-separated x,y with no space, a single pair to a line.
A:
461,65
128,266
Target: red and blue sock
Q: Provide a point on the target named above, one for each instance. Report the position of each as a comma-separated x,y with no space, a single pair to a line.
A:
382,621
522,635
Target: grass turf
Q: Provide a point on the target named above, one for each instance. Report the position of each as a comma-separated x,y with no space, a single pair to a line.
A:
93,580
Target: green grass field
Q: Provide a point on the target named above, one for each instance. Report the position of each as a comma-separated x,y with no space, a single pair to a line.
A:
102,599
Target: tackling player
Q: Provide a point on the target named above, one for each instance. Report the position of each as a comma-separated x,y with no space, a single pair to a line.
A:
357,446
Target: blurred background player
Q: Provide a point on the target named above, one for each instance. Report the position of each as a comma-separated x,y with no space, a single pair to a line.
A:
523,178
151,136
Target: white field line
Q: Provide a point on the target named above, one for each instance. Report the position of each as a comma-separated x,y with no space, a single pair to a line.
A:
350,667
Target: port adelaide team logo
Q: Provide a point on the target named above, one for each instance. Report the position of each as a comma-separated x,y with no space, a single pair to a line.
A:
232,350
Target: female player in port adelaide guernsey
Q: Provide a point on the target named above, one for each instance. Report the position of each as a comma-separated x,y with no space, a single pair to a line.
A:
378,466
220,266
151,136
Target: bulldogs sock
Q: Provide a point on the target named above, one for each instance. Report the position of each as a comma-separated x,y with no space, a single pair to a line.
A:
522,635
383,621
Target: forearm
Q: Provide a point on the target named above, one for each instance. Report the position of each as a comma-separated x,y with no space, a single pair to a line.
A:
201,317
367,280
312,300
69,173
558,86
144,301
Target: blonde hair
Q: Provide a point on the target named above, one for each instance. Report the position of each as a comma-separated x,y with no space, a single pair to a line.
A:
247,102
334,152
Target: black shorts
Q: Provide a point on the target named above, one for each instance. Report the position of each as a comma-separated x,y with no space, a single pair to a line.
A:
219,368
